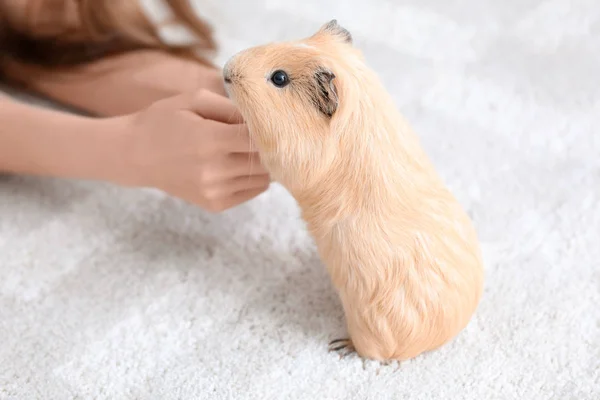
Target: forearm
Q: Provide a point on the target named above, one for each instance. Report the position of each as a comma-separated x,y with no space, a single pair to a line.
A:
37,141
123,84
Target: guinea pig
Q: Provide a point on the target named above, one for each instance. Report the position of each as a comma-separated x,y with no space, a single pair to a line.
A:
402,253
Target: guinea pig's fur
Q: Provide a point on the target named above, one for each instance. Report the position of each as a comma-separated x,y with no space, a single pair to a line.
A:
402,253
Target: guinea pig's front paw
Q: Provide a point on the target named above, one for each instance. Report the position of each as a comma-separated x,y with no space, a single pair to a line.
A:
343,346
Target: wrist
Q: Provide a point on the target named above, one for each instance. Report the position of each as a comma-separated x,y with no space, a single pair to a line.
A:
96,149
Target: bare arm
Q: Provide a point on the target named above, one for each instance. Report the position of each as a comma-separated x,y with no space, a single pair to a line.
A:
122,84
37,141
193,146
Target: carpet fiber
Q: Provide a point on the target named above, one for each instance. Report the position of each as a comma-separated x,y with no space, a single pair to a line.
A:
112,293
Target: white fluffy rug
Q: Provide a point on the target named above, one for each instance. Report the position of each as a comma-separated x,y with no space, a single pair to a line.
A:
108,293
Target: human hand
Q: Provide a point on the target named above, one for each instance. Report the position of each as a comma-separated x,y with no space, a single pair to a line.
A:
195,147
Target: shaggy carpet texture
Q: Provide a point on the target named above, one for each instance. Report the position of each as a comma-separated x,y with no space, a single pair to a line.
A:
113,293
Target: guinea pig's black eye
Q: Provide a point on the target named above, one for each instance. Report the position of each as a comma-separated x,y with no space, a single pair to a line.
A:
280,78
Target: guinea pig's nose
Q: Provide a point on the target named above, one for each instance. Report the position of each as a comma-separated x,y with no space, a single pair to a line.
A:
226,77
227,73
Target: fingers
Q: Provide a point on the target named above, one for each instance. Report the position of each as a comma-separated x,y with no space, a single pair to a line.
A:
216,107
246,164
231,167
214,194
242,197
230,138
245,183
215,83
232,193
220,197
220,183
225,193
215,187
222,121
237,199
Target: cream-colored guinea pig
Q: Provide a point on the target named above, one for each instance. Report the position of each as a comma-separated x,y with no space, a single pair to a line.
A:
402,254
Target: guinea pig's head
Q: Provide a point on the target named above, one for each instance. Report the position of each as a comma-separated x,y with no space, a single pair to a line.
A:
290,95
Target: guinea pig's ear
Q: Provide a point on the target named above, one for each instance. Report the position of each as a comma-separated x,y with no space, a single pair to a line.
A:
325,93
335,29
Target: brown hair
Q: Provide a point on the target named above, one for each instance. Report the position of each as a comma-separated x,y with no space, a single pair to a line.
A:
100,28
